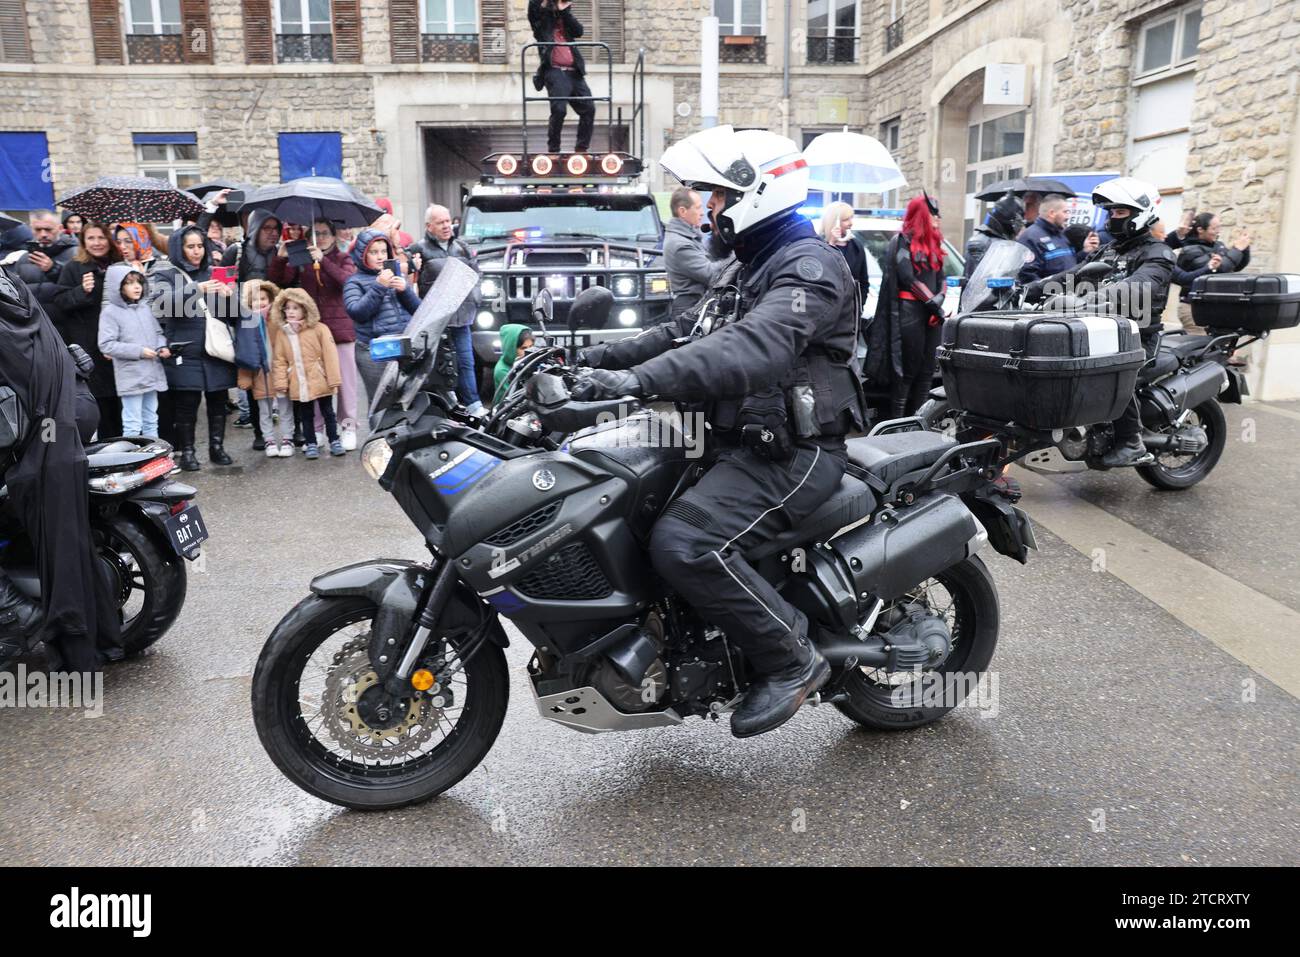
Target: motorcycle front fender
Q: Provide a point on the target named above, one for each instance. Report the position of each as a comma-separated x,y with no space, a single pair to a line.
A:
395,586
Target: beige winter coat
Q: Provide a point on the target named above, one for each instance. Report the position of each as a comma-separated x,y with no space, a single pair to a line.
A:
305,365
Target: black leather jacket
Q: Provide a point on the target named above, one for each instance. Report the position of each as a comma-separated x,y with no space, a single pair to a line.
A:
1139,288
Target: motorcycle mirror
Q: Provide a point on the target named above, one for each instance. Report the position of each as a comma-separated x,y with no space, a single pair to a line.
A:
591,308
543,308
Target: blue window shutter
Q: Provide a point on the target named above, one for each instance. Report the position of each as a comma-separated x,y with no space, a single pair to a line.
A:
25,181
310,154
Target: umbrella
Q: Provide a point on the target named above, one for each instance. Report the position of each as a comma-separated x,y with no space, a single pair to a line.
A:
1022,185
314,197
845,162
135,199
227,213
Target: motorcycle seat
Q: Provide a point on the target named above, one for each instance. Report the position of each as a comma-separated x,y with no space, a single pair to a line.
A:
1164,363
890,457
1183,346
852,501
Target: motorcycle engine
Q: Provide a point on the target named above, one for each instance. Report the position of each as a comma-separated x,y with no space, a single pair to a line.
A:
627,697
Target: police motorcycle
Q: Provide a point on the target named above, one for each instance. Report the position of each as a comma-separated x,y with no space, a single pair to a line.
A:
145,526
1179,388
388,683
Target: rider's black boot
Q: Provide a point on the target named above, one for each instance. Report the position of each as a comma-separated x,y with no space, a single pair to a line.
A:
1131,452
774,697
20,616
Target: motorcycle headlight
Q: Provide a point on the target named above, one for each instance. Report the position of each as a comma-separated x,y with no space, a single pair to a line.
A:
375,456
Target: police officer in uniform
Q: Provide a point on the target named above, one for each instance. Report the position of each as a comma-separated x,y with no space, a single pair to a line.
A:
1138,288
770,354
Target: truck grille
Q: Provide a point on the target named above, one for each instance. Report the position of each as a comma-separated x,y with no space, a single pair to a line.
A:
571,574
525,287
524,527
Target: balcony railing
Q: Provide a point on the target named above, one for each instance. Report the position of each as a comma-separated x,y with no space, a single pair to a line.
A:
742,49
837,49
894,35
155,48
449,47
304,48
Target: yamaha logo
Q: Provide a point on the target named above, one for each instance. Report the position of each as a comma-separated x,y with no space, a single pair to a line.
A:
543,480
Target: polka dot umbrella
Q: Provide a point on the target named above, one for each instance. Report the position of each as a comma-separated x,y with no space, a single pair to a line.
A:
132,199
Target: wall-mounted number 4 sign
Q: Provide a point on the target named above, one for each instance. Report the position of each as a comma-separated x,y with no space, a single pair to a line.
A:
1005,84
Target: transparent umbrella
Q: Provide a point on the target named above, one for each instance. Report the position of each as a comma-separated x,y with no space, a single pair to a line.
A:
845,162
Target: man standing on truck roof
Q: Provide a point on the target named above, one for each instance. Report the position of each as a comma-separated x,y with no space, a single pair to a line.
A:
691,272
562,70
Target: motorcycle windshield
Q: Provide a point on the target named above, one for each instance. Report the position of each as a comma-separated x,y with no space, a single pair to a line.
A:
443,300
1002,260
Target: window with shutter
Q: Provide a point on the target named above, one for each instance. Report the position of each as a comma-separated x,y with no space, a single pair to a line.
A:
492,31
259,32
602,21
106,31
196,27
15,42
404,30
347,31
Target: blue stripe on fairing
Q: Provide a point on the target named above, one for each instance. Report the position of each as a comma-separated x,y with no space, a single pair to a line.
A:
507,602
456,480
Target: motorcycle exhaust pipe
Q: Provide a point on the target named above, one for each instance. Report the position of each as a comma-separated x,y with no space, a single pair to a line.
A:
1186,390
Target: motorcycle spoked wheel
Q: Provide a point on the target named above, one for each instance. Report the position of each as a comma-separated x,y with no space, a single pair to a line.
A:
148,578
310,706
1172,471
967,599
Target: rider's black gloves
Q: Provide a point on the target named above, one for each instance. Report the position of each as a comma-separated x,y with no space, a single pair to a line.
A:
85,365
591,356
606,384
1034,291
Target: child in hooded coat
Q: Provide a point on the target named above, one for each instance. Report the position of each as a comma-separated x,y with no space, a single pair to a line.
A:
132,338
305,365
254,356
515,338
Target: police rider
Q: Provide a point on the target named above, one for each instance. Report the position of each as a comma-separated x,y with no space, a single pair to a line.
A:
1138,288
775,372
1005,221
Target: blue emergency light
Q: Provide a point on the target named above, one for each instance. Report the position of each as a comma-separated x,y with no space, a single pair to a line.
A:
388,348
1000,282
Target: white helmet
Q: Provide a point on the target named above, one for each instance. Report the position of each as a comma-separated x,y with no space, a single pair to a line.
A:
1130,193
762,173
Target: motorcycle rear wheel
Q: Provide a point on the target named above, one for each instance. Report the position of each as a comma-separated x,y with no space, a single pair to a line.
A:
145,571
884,703
305,754
1173,476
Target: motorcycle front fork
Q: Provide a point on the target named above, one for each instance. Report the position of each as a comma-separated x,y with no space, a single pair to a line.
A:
432,602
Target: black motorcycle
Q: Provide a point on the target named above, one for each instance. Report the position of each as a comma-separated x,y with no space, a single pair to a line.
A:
388,684
144,526
1179,389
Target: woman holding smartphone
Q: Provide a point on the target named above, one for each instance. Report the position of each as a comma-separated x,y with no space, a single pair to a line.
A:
78,302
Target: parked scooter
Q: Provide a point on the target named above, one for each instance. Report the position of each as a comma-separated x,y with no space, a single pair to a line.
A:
144,525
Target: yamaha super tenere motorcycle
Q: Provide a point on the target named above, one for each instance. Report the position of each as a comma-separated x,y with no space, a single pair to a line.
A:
1179,388
388,684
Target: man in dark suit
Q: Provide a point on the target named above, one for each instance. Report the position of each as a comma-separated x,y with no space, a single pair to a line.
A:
562,70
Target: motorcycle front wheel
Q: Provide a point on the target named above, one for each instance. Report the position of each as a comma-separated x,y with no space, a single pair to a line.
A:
965,597
321,715
1172,471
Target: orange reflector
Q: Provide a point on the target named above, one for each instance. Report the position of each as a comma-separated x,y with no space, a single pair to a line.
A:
542,165
507,165
422,679
577,164
611,164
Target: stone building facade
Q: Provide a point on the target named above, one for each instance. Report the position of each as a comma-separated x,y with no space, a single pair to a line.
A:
1217,124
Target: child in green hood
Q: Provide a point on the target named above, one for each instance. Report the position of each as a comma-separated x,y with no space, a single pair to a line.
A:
515,340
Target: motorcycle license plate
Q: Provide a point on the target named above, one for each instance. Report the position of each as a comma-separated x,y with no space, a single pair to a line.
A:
186,531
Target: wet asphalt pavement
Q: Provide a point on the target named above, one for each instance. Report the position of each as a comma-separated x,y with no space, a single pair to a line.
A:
1119,736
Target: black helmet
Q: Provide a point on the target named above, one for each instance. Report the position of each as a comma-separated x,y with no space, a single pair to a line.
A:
1007,217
